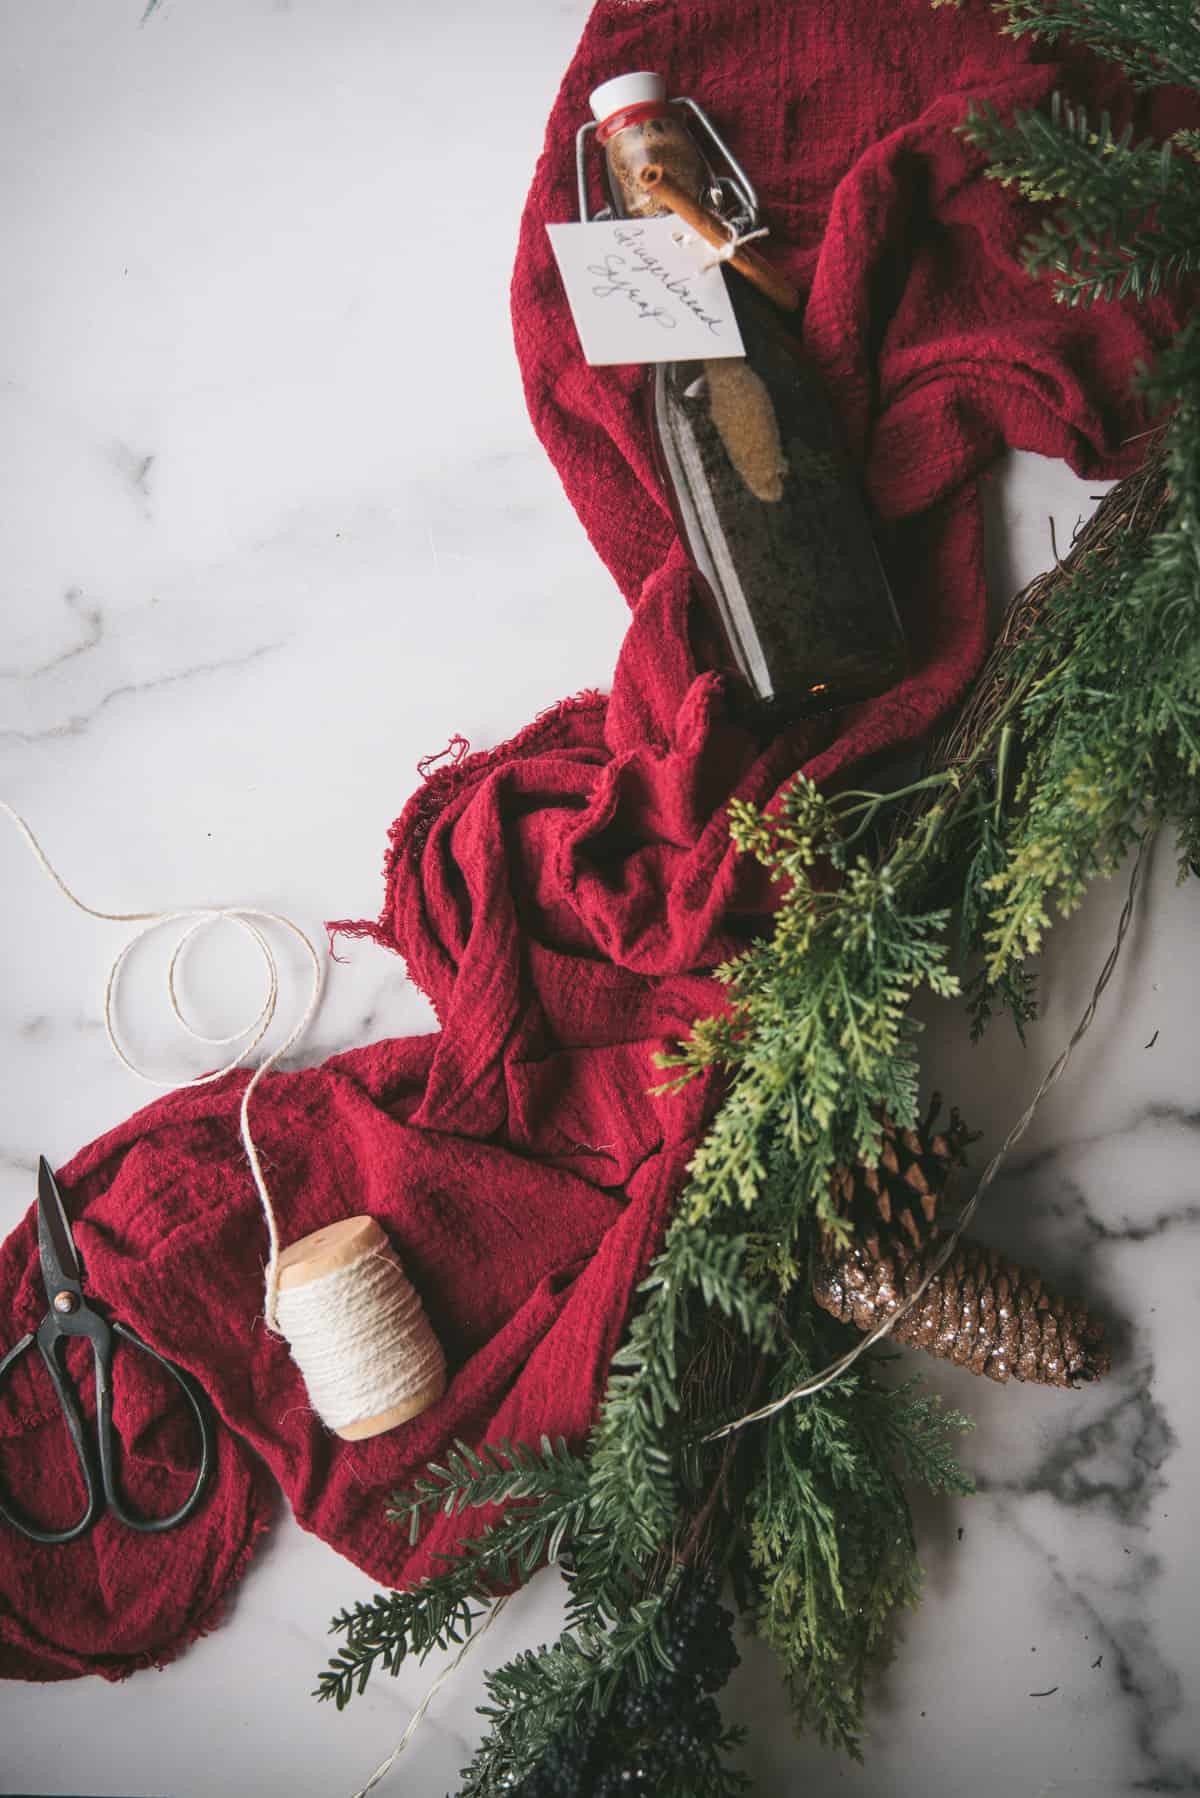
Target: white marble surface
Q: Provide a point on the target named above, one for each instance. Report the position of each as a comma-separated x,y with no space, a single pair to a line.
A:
273,526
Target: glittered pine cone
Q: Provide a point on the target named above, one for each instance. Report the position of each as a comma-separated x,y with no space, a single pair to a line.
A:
901,1195
981,1311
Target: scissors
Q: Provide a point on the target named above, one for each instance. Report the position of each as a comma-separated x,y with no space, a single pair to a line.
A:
70,1315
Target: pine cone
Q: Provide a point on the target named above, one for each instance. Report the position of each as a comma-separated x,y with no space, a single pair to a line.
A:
901,1196
981,1311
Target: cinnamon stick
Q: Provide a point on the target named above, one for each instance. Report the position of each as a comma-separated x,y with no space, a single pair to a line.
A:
713,229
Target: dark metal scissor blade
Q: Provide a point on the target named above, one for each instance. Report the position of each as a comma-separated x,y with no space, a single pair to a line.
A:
56,1245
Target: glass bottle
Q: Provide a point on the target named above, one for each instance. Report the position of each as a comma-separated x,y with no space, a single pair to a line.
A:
749,450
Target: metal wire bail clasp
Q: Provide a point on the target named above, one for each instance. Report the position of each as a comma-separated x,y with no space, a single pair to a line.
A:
736,199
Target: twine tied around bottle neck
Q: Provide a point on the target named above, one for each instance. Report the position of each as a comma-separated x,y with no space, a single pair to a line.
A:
729,250
727,243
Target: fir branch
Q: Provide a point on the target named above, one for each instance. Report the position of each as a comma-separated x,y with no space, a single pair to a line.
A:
636,1453
1129,222
545,1694
617,1512
388,1629
657,1728
1156,42
548,1493
494,1474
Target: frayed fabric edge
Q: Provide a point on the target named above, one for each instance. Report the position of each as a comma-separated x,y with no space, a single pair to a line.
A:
458,763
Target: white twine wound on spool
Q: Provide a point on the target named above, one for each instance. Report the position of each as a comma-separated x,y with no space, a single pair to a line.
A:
193,920
362,1340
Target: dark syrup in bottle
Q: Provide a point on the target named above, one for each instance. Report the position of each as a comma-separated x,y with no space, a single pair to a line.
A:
749,451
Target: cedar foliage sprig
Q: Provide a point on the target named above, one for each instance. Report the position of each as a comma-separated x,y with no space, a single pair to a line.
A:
818,1040
830,1534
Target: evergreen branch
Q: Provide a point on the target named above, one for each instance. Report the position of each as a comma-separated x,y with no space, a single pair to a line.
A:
1156,42
617,1511
494,1474
831,1539
1150,259
1113,726
1062,155
636,1448
389,1628
545,1694
911,1428
1129,222
819,1039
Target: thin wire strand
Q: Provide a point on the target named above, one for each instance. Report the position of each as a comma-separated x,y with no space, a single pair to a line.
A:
385,1767
195,920
836,1369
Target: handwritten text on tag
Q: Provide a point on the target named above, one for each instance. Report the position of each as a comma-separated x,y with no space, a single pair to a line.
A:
638,293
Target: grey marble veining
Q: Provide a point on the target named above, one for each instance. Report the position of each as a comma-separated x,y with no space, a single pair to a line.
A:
80,722
87,633
275,526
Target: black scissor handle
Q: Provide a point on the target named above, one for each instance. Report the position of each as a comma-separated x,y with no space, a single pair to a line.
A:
106,1436
49,1341
100,1481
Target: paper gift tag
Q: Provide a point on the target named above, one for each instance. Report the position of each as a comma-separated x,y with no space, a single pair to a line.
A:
637,292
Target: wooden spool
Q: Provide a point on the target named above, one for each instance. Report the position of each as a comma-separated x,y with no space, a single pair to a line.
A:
324,1252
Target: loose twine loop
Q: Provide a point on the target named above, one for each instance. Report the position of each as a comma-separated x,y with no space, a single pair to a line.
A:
194,920
837,1368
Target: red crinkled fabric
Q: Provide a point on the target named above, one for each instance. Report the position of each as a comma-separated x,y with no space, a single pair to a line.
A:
562,900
